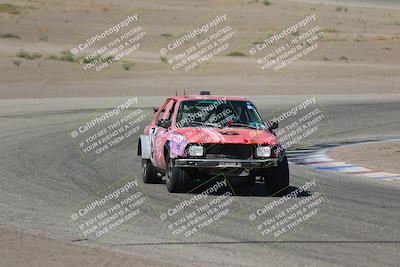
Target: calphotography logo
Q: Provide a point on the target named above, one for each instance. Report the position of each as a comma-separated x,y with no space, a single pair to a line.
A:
99,52
299,124
107,131
203,43
212,204
279,50
112,209
283,216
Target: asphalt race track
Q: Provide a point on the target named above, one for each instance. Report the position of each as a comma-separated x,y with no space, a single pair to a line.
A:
42,176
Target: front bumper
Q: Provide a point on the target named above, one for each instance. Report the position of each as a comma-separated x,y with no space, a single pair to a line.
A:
226,163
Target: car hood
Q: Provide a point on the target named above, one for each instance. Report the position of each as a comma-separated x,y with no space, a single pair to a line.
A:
231,135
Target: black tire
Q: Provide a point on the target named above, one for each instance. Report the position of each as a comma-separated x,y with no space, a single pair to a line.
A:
149,173
176,179
277,178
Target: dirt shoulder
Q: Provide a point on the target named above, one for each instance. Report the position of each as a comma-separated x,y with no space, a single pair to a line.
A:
358,55
20,249
376,156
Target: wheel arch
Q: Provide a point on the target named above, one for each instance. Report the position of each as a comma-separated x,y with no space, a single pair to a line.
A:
144,147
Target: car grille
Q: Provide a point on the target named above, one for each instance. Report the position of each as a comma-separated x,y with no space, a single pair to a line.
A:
229,151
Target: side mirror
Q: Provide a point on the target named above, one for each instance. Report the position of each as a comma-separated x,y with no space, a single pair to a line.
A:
164,123
272,125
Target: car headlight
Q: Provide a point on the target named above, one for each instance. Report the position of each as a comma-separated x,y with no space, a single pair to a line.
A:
263,151
196,151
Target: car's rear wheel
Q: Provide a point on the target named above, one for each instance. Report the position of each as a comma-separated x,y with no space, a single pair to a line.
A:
277,178
149,173
176,178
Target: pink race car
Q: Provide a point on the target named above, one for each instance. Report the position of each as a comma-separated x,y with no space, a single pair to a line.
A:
199,137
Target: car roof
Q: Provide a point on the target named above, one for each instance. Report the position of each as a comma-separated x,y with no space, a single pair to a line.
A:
206,97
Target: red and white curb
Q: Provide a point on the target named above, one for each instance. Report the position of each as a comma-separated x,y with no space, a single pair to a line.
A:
320,161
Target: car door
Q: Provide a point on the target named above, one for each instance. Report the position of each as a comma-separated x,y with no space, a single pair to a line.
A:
151,130
160,134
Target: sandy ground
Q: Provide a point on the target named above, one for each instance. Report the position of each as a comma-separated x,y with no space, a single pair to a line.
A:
359,54
376,156
21,249
365,3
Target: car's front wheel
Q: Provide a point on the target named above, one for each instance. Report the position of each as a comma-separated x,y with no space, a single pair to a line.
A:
277,178
176,178
149,173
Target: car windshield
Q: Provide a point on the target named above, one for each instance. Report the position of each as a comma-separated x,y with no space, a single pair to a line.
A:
218,113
